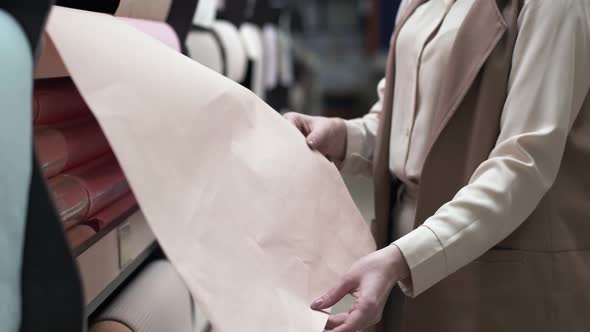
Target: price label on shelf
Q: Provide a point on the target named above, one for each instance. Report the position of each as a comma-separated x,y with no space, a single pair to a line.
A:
125,249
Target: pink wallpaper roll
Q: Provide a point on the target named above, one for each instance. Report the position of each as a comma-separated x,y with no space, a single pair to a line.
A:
158,30
64,147
78,235
83,191
57,100
70,199
109,214
104,181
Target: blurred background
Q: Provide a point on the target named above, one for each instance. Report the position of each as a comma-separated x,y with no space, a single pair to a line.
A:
340,46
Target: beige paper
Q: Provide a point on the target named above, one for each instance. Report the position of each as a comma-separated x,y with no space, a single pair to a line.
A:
256,224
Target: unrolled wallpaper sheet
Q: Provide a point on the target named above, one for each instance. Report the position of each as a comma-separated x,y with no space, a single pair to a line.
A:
256,224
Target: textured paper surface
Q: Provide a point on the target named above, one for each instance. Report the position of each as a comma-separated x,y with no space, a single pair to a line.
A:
256,224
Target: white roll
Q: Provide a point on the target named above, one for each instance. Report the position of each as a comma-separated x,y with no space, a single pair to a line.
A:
235,53
252,41
204,48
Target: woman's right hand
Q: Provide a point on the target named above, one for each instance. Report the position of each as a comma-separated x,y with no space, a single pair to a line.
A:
325,135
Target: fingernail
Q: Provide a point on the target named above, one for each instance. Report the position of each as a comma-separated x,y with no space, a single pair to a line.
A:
310,142
317,303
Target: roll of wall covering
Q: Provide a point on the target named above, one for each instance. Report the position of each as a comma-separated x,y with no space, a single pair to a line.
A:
78,235
204,46
252,41
62,148
113,212
70,198
83,191
156,300
57,100
161,31
270,61
205,12
50,64
235,53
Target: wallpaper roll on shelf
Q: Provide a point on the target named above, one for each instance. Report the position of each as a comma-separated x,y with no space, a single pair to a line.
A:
104,181
63,148
83,191
270,56
252,39
70,199
161,31
78,235
57,100
235,53
156,301
114,211
204,46
50,64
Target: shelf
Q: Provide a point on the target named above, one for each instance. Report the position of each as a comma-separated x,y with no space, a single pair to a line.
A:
110,260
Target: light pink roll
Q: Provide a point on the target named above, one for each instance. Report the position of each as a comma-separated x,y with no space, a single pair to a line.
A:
159,30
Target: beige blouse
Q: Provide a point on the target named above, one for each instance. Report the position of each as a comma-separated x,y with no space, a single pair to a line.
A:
543,66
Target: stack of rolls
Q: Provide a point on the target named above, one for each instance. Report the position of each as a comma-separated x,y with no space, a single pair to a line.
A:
89,189
82,174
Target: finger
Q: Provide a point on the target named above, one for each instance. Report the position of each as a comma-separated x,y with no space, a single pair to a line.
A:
336,320
355,321
336,294
299,121
318,136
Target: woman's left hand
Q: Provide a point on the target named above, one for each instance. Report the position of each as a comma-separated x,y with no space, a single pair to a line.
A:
370,281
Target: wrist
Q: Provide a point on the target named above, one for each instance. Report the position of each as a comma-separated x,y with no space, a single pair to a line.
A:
341,133
399,267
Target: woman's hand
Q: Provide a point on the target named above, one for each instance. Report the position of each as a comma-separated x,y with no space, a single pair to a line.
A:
370,281
325,135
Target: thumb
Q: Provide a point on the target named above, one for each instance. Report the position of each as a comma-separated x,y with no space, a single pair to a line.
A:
333,296
314,139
